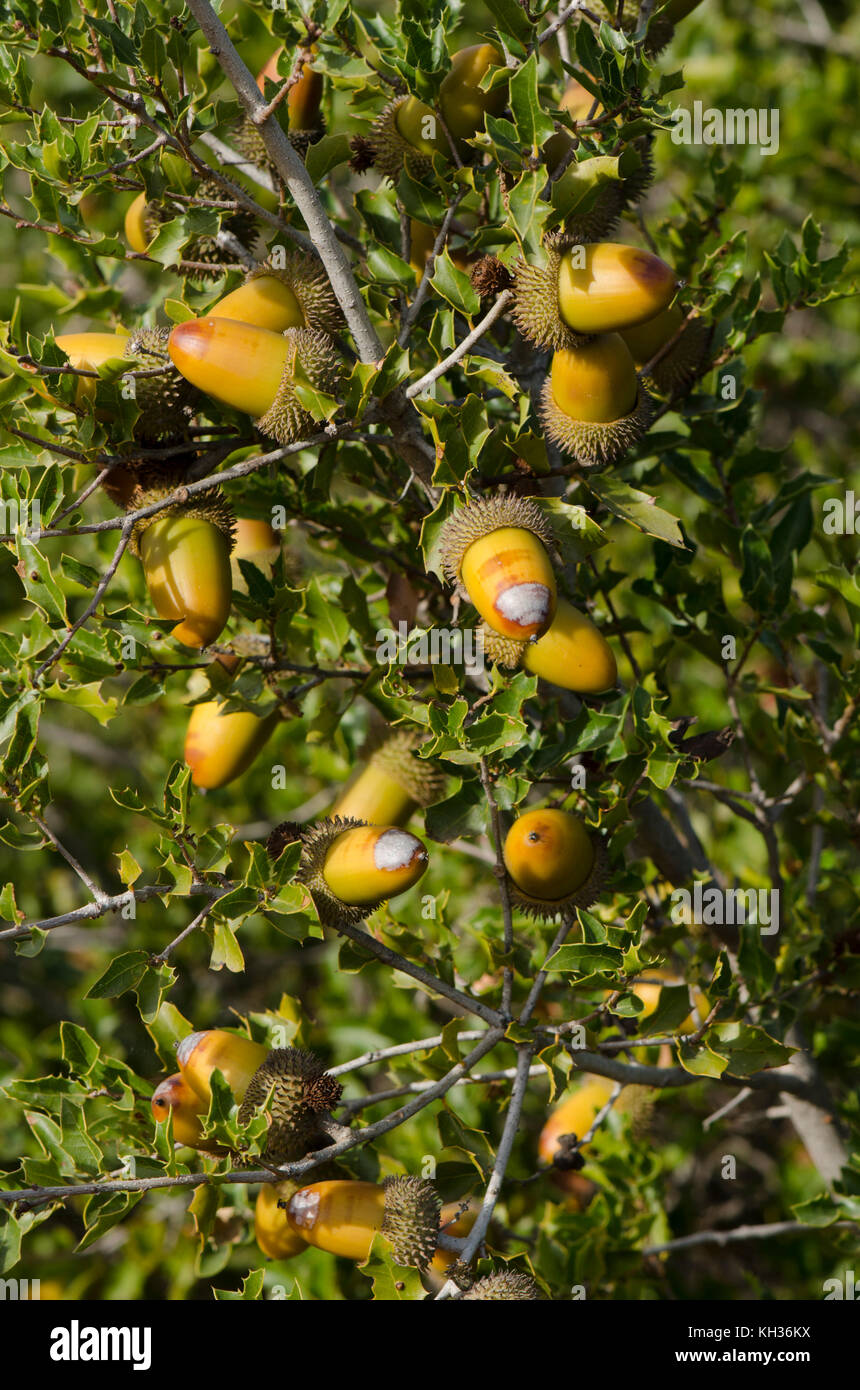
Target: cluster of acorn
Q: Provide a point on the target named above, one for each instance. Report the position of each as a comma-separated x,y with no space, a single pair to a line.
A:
337,1214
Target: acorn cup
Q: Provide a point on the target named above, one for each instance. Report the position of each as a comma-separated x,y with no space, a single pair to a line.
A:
351,868
175,1097
343,1216
593,405
220,745
554,866
588,288
144,218
296,295
253,370
408,134
235,1056
185,553
679,367
298,1090
572,653
393,783
497,551
504,1285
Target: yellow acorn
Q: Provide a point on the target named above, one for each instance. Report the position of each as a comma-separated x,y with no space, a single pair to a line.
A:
596,287
592,404
175,1097
572,653
89,351
392,785
553,865
144,218
185,553
221,745
407,133
343,1216
349,868
679,367
575,1114
253,370
297,294
274,1234
498,549
138,233
304,118
236,1057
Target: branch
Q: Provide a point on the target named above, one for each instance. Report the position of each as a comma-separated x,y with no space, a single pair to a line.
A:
462,348
774,1228
127,528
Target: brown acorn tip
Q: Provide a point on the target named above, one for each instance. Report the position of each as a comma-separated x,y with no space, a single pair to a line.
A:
490,276
411,1220
363,154
284,834
504,1284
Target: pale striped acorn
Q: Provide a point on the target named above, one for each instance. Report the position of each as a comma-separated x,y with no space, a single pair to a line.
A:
498,549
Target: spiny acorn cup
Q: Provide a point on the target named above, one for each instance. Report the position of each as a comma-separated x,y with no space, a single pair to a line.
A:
588,288
143,220
393,784
175,1097
185,553
235,1056
506,1285
295,295
408,134
343,1216
498,550
572,654
593,405
298,1089
253,370
679,367
351,868
220,745
553,865
165,401
613,197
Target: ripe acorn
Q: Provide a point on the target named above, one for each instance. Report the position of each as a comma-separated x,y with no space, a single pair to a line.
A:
350,868
592,404
274,1234
144,218
89,351
305,124
596,287
343,1216
678,368
185,553
392,784
235,1056
165,401
553,864
506,1284
175,1097
220,745
295,295
298,1090
572,653
407,134
254,370
498,549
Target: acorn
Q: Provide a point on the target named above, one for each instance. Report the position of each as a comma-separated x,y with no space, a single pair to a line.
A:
351,868
305,124
583,289
185,553
407,134
393,784
593,405
505,1284
257,542
298,1089
679,367
295,295
498,549
574,1114
343,1216
165,402
253,370
220,745
143,219
89,351
175,1097
572,653
554,866
235,1056
273,1232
